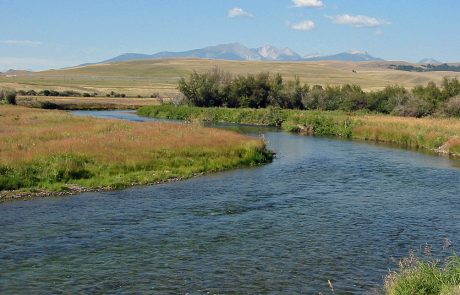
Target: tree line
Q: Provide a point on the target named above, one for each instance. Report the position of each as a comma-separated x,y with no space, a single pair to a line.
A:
217,88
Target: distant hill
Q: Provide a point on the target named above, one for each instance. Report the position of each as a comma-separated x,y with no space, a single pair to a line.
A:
429,61
237,51
12,72
355,56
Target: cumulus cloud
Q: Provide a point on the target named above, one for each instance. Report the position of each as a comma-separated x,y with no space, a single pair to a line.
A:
238,12
306,25
21,42
360,21
308,3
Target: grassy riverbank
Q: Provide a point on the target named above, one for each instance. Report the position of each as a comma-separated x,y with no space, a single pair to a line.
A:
85,103
423,277
54,151
434,134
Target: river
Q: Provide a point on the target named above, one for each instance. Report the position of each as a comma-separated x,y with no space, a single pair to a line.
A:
325,209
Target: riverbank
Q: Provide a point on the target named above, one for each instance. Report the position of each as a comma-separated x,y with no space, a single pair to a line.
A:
418,276
85,103
432,134
46,152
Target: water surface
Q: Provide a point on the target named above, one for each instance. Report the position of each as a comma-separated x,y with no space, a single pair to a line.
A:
325,209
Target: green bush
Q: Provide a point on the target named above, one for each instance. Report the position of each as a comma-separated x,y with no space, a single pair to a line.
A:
452,107
8,97
219,89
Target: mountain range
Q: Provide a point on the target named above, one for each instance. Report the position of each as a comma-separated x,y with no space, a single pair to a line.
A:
237,51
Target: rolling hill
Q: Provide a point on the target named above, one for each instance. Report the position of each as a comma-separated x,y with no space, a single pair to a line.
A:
144,77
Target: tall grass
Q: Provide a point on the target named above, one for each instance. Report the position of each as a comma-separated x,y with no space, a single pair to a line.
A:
434,134
42,149
421,277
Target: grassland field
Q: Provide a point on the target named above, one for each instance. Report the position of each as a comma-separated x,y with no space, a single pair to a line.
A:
45,151
160,76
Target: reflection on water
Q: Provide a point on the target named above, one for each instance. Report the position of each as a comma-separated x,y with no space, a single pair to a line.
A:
324,209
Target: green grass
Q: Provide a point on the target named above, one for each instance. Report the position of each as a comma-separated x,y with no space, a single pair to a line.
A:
434,134
417,277
54,151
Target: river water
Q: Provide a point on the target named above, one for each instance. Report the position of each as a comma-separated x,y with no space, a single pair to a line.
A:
325,209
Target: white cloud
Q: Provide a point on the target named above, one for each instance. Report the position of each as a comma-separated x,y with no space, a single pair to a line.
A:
359,21
238,12
21,43
308,3
304,26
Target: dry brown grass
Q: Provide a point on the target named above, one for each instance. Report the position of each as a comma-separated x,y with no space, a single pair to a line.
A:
29,133
427,133
147,76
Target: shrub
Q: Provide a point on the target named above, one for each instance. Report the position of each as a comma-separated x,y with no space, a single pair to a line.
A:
414,107
450,87
219,89
386,100
48,105
86,95
8,97
452,107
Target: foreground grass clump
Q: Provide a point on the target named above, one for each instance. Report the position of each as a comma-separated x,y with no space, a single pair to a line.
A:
55,151
425,278
434,134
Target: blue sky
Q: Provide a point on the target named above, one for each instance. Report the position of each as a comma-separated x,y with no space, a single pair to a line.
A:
55,33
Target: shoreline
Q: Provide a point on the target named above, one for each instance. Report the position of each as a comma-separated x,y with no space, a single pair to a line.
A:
9,196
431,135
17,195
87,154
